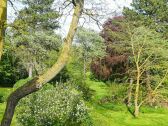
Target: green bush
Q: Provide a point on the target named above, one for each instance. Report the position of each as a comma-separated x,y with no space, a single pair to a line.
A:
117,92
56,106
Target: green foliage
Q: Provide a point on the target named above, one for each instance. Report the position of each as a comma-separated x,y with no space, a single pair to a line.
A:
60,105
91,43
37,49
152,51
38,14
75,65
34,41
9,72
117,93
151,13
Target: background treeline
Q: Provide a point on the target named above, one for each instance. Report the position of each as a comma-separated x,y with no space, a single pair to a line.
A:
126,62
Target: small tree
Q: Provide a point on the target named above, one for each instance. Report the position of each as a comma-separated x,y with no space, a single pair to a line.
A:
113,66
91,44
149,54
33,35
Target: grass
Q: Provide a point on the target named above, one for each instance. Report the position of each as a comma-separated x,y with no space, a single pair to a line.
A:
117,115
4,92
2,108
111,114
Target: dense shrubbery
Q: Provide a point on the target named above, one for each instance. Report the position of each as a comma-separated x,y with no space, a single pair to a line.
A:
117,94
10,70
52,106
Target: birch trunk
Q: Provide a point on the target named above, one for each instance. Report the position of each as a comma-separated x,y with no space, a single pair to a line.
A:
37,83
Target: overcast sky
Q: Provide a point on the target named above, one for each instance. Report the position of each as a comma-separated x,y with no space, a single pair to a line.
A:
111,5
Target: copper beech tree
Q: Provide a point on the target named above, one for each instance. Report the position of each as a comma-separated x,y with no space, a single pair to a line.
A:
3,16
37,83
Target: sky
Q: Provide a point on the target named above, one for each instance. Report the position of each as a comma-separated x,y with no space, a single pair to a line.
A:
110,5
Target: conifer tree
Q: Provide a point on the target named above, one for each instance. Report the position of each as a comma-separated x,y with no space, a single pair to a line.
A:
151,13
34,35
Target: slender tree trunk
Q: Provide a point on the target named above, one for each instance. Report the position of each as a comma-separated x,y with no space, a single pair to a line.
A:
30,70
3,17
84,66
149,89
37,83
130,93
136,111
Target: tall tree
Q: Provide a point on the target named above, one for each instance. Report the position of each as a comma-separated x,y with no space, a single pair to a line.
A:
92,46
37,83
113,65
34,37
151,13
3,17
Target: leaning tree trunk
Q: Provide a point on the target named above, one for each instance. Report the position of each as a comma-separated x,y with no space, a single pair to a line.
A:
3,17
36,83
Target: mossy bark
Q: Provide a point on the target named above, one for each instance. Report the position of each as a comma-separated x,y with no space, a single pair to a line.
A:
38,82
3,17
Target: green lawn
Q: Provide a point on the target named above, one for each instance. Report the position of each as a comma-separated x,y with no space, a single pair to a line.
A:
114,115
2,107
117,115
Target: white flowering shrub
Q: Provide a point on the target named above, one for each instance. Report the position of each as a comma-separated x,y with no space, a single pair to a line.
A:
52,106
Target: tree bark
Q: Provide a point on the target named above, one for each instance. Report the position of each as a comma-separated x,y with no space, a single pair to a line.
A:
136,111
130,92
37,83
3,17
149,89
30,70
84,66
